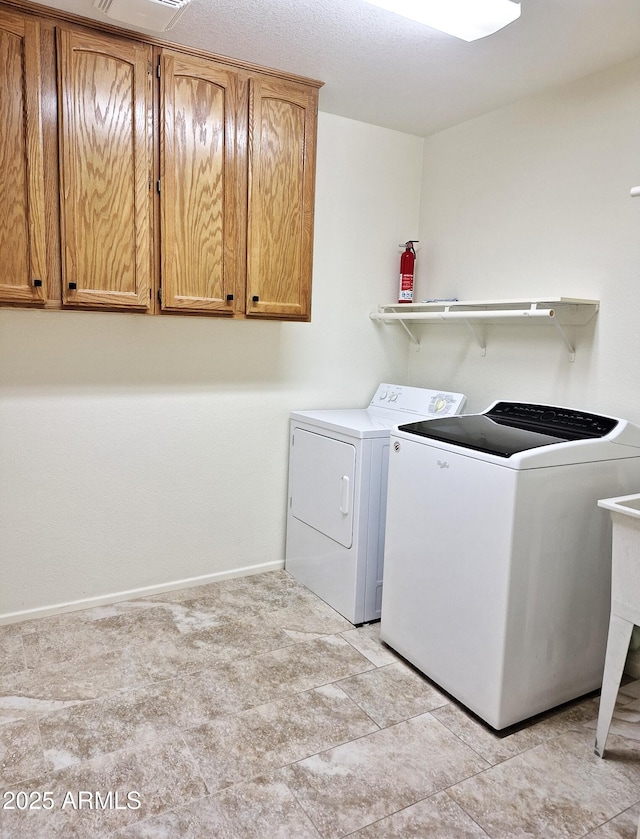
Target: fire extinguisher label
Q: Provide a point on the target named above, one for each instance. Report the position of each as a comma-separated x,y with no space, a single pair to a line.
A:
406,288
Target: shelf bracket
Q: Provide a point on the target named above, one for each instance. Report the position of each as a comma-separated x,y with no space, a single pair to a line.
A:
414,340
565,339
380,315
481,343
559,329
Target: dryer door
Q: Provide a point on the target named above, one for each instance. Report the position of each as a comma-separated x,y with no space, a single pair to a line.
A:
322,484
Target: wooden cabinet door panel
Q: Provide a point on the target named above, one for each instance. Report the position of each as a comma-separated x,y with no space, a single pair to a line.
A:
282,133
105,170
22,217
200,224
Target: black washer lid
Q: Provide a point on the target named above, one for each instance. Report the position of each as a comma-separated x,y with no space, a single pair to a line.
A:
511,427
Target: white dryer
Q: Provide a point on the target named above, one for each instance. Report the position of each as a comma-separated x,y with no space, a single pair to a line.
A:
338,463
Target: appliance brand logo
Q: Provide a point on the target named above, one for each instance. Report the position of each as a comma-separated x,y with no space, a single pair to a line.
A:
443,464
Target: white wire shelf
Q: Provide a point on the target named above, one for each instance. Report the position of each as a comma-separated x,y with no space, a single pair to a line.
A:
559,311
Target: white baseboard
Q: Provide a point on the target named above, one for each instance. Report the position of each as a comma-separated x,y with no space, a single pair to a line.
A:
147,591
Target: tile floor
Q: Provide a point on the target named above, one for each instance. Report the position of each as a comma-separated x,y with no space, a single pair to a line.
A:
248,709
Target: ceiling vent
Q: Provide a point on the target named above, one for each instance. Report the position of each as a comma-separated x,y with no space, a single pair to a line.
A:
156,15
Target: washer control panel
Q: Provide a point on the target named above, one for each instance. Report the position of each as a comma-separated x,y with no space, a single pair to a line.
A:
551,420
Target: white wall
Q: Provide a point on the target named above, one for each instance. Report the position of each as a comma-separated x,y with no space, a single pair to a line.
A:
140,452
533,200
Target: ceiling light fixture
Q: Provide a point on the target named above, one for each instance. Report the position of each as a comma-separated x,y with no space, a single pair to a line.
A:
465,19
156,15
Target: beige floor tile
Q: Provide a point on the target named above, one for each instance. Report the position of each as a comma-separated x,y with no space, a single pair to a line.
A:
80,635
257,593
262,739
49,688
625,720
309,618
195,699
28,627
84,731
366,639
260,809
278,591
350,786
209,590
189,652
496,747
12,656
39,649
148,779
558,789
249,708
624,826
393,693
20,751
201,612
300,667
437,817
629,691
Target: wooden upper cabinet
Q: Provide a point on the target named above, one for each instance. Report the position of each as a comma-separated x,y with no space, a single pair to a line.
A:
104,86
282,143
199,186
22,217
202,220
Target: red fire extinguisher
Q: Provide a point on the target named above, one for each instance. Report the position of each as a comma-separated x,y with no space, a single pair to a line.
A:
407,265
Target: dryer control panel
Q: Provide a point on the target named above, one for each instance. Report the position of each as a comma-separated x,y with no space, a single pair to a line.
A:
417,400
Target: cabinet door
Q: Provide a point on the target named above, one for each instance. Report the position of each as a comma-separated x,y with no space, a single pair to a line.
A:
282,140
200,225
105,170
22,226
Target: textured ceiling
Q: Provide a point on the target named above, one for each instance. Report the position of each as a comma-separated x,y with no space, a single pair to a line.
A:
383,69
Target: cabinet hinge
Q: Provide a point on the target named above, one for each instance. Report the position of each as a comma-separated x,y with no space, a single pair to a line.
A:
160,296
148,68
158,185
149,182
158,70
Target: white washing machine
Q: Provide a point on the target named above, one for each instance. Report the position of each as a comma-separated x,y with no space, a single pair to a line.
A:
337,494
498,560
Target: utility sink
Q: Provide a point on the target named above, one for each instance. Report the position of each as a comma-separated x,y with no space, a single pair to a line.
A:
625,554
625,603
628,505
